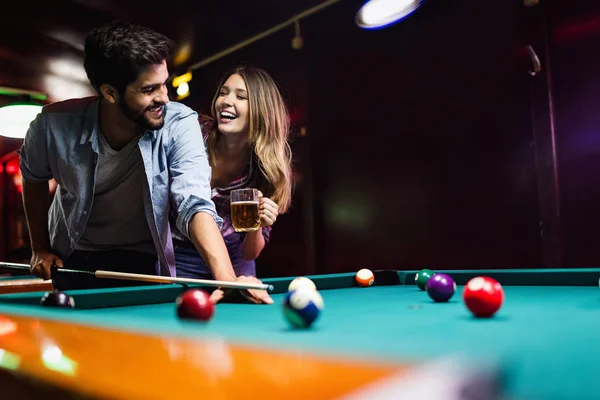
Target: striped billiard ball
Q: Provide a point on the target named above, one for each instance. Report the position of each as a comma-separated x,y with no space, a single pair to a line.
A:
365,277
302,307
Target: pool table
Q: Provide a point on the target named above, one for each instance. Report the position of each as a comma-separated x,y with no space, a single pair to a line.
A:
387,338
20,284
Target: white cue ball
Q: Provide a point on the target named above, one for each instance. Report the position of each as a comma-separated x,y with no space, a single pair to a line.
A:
301,282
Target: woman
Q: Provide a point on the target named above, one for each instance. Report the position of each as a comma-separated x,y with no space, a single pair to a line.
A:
247,144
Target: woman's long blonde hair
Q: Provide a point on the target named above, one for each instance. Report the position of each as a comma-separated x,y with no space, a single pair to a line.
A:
269,127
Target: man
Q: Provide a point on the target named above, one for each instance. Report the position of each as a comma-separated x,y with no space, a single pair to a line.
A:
123,161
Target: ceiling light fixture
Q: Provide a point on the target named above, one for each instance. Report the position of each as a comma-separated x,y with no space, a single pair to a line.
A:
377,14
16,118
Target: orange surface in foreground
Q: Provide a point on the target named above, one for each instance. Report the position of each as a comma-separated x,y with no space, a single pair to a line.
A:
124,365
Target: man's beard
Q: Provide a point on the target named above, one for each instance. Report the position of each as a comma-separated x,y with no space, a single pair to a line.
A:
140,118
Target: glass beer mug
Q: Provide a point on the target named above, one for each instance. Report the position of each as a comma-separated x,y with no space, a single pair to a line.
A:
245,216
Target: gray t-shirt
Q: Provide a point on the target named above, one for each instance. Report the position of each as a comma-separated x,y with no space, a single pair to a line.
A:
118,219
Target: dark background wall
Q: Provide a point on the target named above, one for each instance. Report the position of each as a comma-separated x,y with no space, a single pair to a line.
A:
418,148
574,37
427,162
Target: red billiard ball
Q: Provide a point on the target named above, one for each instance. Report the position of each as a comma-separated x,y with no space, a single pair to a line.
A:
483,296
195,304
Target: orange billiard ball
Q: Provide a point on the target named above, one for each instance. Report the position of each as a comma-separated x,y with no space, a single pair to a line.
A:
365,277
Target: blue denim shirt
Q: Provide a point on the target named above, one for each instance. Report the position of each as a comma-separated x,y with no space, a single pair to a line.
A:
62,143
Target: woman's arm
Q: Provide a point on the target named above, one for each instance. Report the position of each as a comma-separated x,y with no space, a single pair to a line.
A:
255,241
253,244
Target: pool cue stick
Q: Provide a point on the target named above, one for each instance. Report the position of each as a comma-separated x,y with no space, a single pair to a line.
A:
168,279
149,278
14,268
24,282
14,265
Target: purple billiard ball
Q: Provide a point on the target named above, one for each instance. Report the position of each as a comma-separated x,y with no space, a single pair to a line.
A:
441,287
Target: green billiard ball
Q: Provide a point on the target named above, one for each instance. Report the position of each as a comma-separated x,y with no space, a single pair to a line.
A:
422,277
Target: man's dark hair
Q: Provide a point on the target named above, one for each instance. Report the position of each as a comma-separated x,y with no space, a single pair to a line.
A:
116,53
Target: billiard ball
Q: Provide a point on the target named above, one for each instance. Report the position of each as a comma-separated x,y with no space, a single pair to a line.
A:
57,299
483,296
194,304
422,277
301,281
365,277
302,307
441,287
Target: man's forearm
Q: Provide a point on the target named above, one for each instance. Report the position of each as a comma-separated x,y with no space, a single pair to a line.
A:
35,203
207,238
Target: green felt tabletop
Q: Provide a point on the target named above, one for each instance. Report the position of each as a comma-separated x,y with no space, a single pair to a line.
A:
545,335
